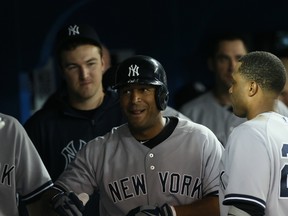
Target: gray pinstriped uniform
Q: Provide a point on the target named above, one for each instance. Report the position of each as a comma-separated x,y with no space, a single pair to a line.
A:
21,169
181,168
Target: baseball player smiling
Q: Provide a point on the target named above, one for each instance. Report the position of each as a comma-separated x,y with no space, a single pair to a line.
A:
153,165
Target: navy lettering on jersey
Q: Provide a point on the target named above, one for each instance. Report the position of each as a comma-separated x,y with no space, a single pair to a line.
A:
115,192
70,151
178,184
125,188
284,151
120,190
139,184
172,183
197,188
163,179
187,181
6,174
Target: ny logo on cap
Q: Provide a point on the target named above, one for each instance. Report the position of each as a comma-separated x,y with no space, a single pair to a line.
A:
73,30
133,70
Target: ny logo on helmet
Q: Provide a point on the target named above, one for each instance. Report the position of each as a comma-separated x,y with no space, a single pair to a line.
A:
73,30
133,71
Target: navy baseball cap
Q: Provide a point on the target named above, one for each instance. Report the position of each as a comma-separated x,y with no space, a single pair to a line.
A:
77,32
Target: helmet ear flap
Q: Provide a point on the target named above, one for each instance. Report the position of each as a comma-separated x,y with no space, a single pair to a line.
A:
162,96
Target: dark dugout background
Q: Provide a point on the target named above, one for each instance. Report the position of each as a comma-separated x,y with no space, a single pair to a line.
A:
172,31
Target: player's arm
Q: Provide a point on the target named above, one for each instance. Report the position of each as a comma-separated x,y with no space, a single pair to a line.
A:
56,200
42,205
39,207
245,209
207,206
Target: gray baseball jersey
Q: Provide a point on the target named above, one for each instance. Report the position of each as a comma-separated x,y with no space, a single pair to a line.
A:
254,167
207,111
21,169
181,168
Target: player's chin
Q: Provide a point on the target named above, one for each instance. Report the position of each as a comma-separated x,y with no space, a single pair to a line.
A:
85,94
135,120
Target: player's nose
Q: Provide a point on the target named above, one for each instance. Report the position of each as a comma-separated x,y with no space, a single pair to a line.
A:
135,96
83,72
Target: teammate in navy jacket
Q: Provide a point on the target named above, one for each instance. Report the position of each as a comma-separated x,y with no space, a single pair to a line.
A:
82,109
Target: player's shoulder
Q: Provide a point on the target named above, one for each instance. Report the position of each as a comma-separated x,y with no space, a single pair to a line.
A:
115,132
262,120
8,119
119,131
198,133
257,126
269,121
110,139
189,126
258,129
10,124
170,111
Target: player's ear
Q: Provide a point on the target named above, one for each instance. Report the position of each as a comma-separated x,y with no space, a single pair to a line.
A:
253,88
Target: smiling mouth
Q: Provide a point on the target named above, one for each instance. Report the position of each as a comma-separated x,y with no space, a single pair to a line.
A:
136,112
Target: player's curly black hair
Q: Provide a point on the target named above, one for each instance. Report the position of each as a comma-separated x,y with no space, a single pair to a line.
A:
265,69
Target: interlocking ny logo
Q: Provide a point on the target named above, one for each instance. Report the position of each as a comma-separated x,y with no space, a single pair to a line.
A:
73,30
133,70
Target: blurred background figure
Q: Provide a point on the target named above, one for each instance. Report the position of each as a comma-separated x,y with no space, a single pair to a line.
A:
283,55
213,108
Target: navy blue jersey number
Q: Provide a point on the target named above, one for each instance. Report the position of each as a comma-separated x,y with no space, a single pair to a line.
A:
284,173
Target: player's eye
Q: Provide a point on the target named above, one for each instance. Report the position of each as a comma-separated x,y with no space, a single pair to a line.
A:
144,89
91,64
125,91
71,67
222,58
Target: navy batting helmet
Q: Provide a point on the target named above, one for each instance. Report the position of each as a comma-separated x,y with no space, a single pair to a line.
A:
141,69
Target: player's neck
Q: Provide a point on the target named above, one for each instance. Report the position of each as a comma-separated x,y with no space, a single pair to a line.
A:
148,133
261,105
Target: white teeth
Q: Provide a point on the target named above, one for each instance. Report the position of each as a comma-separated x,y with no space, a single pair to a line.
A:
138,112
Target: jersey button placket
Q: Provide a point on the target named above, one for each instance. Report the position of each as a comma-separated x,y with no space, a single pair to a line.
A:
149,161
151,155
151,173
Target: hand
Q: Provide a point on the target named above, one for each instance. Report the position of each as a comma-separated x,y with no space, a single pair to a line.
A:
67,204
164,210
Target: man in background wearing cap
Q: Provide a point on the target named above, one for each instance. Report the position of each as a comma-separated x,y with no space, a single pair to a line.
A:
82,110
